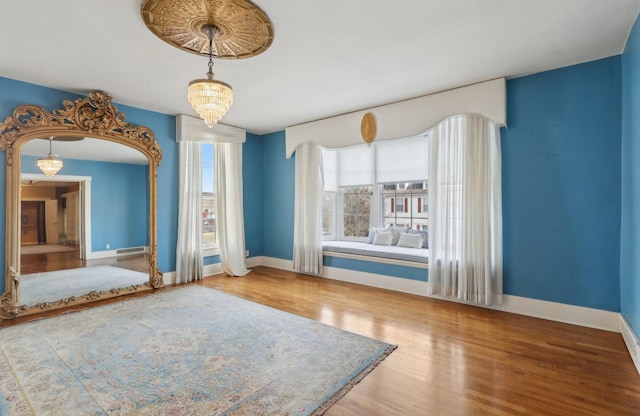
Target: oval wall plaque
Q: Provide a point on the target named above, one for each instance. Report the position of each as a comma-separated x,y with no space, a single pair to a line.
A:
368,127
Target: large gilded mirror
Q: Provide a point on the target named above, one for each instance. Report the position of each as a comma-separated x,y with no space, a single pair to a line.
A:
88,231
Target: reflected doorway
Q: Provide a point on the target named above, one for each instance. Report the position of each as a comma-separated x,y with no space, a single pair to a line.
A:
52,223
33,223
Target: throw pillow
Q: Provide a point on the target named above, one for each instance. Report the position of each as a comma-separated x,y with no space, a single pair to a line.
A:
410,240
396,231
425,233
372,233
382,238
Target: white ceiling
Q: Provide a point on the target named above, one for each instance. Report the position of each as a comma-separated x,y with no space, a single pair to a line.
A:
85,149
328,57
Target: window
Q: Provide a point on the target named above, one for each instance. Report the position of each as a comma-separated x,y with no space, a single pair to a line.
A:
356,211
328,217
209,237
408,208
399,205
376,185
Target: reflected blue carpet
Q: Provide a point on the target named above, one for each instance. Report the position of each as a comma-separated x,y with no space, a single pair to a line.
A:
61,284
184,351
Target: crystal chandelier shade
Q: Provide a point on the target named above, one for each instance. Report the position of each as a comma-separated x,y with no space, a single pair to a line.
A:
210,98
50,165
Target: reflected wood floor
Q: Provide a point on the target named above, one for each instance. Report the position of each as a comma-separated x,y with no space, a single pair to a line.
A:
49,262
453,359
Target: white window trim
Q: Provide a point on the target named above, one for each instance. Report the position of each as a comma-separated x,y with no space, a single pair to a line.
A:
211,251
334,229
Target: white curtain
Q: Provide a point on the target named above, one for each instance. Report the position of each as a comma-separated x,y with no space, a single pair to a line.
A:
307,230
229,207
465,210
189,264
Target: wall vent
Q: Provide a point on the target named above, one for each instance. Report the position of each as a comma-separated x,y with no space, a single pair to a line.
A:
129,251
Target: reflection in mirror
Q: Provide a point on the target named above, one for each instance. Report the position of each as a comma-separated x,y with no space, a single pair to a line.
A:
86,228
96,213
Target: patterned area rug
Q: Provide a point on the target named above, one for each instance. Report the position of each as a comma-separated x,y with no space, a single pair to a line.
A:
185,351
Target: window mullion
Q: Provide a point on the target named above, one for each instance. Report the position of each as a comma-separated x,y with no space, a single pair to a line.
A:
376,209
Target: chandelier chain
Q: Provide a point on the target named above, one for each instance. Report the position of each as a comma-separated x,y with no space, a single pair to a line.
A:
211,33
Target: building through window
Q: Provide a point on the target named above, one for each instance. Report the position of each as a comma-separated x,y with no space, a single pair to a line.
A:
403,205
209,237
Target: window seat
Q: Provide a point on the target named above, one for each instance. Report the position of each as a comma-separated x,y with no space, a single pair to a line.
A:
371,252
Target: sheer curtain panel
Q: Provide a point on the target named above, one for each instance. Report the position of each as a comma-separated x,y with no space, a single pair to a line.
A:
307,231
465,210
189,265
229,207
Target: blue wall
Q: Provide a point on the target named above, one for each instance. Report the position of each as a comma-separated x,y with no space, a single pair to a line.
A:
119,203
278,184
252,194
561,185
630,238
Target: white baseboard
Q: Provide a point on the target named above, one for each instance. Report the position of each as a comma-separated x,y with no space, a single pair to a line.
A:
274,262
115,253
560,312
101,254
631,340
212,269
570,314
169,278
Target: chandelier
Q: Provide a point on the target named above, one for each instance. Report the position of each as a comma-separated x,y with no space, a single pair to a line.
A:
210,98
226,29
50,165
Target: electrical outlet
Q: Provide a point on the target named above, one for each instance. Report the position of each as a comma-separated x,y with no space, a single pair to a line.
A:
246,253
108,246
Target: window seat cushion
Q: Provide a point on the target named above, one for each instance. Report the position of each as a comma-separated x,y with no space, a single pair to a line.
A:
418,255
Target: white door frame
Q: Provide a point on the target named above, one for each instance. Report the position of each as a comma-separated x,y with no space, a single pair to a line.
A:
85,204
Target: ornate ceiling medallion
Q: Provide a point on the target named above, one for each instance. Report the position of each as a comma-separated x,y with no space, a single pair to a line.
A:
244,29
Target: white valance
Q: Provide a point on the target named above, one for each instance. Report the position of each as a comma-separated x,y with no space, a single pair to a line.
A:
406,118
193,129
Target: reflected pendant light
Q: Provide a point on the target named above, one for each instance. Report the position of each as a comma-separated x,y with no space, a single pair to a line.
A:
210,98
50,165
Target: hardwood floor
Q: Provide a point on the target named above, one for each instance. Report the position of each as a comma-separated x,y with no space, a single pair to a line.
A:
454,359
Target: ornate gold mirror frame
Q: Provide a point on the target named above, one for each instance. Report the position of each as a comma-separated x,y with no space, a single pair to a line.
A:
92,116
